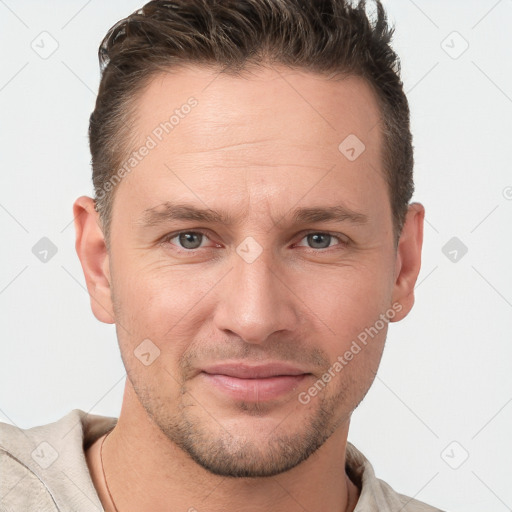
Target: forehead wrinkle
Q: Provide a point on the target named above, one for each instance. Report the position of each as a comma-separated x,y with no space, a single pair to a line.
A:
237,145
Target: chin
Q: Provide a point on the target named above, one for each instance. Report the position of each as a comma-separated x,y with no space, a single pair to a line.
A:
255,446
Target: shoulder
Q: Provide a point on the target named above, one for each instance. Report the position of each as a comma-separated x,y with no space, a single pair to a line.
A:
21,488
43,468
376,494
403,502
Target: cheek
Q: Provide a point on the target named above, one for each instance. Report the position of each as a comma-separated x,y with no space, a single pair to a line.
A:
355,333
161,303
347,300
169,304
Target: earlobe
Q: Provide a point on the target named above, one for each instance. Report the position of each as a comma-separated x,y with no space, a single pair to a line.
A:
92,252
408,259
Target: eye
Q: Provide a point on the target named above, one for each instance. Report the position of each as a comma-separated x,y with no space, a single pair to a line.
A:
190,241
322,240
186,240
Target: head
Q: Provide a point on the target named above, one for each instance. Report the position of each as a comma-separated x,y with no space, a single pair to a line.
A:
252,166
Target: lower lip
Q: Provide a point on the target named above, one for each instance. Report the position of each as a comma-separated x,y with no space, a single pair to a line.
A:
255,390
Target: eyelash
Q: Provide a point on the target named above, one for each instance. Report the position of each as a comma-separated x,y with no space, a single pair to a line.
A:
167,241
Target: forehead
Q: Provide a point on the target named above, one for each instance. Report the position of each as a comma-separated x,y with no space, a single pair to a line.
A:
285,129
268,102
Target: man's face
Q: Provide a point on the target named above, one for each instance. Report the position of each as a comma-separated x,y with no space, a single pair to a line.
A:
249,314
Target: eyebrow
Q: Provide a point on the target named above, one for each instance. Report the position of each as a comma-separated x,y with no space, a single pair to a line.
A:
170,211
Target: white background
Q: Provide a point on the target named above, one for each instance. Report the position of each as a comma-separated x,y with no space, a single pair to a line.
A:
446,371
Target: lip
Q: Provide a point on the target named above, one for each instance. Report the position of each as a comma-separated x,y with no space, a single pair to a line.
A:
261,371
254,383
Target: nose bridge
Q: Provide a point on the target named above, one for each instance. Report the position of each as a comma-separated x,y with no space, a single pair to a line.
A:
255,303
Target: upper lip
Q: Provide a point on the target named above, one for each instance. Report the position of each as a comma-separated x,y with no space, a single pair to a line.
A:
259,371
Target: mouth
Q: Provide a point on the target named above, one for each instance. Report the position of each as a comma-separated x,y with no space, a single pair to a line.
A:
259,383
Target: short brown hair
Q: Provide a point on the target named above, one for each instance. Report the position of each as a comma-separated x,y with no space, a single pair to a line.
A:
329,37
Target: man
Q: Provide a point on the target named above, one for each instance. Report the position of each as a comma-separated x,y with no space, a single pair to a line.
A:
251,238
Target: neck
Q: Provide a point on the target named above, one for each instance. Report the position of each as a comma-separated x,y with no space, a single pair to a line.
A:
146,471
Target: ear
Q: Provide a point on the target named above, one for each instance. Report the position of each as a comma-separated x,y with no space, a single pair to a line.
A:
408,260
92,251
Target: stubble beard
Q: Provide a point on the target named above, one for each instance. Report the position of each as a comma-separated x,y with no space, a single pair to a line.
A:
232,454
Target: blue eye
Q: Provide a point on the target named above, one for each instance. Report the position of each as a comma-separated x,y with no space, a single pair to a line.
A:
322,240
188,240
319,240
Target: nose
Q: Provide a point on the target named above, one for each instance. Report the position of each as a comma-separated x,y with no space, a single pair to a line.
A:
255,301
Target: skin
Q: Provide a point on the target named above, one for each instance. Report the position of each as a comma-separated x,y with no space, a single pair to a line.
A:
257,147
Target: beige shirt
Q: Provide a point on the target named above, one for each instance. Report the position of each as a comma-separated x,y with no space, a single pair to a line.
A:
43,469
